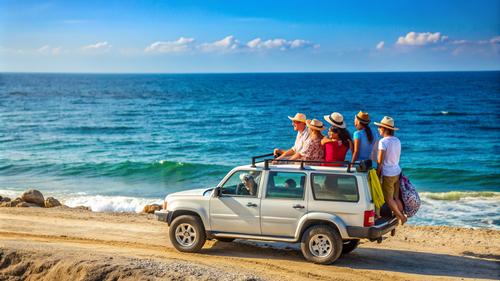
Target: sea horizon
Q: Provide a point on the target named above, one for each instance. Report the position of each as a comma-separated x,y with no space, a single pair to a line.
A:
254,72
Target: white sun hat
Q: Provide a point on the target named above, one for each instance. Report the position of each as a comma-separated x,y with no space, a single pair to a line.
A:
335,119
315,124
387,122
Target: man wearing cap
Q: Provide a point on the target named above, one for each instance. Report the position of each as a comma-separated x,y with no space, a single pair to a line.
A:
299,125
389,151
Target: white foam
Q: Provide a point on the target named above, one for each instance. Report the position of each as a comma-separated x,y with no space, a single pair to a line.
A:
97,203
465,209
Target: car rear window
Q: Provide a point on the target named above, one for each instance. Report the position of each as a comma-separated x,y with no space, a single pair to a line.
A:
332,187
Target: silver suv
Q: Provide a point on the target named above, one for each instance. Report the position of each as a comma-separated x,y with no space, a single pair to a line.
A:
326,209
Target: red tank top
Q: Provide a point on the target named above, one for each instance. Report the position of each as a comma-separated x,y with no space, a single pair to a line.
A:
335,151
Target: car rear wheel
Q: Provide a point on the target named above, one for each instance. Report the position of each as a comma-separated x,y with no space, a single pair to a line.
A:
349,245
187,233
321,244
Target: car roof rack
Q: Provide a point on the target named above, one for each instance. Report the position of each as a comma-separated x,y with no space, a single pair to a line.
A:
361,166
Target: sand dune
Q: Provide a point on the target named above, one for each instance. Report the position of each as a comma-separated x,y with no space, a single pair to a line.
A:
63,244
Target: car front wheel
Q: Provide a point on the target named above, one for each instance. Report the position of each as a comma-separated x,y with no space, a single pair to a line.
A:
187,233
321,244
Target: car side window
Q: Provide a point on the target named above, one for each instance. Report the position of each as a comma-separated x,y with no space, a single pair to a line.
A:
242,183
332,187
285,185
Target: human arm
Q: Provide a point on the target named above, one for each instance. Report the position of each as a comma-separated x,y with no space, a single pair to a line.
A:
296,156
286,153
380,161
355,152
325,140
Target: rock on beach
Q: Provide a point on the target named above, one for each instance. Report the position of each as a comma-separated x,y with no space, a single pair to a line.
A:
33,196
51,202
150,209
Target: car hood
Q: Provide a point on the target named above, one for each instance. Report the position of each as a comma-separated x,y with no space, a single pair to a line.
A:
191,192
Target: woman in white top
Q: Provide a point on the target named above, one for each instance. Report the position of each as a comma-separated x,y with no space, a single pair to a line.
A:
389,151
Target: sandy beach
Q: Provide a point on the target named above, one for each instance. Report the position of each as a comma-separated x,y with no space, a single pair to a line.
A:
68,244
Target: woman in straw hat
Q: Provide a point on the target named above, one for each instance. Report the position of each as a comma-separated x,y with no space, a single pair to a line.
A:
363,137
312,147
338,141
389,151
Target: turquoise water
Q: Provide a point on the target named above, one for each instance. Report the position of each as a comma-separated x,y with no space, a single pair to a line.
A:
139,137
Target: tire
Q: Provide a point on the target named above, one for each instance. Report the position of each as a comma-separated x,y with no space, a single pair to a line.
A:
349,246
321,244
187,233
224,239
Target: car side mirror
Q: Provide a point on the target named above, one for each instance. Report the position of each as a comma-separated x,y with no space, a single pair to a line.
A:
217,191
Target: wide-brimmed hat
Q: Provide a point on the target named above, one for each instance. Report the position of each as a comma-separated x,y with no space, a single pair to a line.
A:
299,117
315,124
336,119
387,122
363,117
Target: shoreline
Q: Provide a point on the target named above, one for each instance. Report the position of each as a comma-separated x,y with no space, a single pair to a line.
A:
469,209
79,243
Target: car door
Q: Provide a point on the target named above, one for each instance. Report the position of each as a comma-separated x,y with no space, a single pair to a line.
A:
237,209
283,203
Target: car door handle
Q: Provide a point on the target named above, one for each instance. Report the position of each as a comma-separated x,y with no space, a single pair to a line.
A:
250,204
298,206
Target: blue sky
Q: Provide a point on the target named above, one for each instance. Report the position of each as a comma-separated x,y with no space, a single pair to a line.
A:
248,36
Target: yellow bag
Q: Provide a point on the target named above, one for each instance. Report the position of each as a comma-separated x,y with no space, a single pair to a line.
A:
375,189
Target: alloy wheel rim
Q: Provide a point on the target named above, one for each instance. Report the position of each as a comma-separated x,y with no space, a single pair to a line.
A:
185,234
320,246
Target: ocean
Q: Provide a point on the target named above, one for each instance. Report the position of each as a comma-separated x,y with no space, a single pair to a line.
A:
115,142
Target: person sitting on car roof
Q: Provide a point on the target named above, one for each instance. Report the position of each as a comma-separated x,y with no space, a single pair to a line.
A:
338,141
312,147
299,125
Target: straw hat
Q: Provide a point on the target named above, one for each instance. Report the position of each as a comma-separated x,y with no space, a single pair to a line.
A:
363,117
315,124
336,119
299,117
387,122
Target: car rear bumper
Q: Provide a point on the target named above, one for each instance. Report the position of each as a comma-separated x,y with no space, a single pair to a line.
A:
372,232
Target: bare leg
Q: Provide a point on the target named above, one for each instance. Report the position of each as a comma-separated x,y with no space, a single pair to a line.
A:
400,204
394,207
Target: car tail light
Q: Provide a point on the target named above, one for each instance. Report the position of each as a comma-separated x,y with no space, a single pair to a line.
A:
369,218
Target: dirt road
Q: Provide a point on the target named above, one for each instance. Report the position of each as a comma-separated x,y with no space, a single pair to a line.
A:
62,244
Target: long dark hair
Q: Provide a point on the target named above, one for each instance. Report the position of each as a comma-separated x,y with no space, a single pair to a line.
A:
344,135
368,131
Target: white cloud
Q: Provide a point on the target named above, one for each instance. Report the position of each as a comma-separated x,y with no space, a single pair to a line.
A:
43,49
279,44
226,44
380,45
421,39
97,47
180,45
46,49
